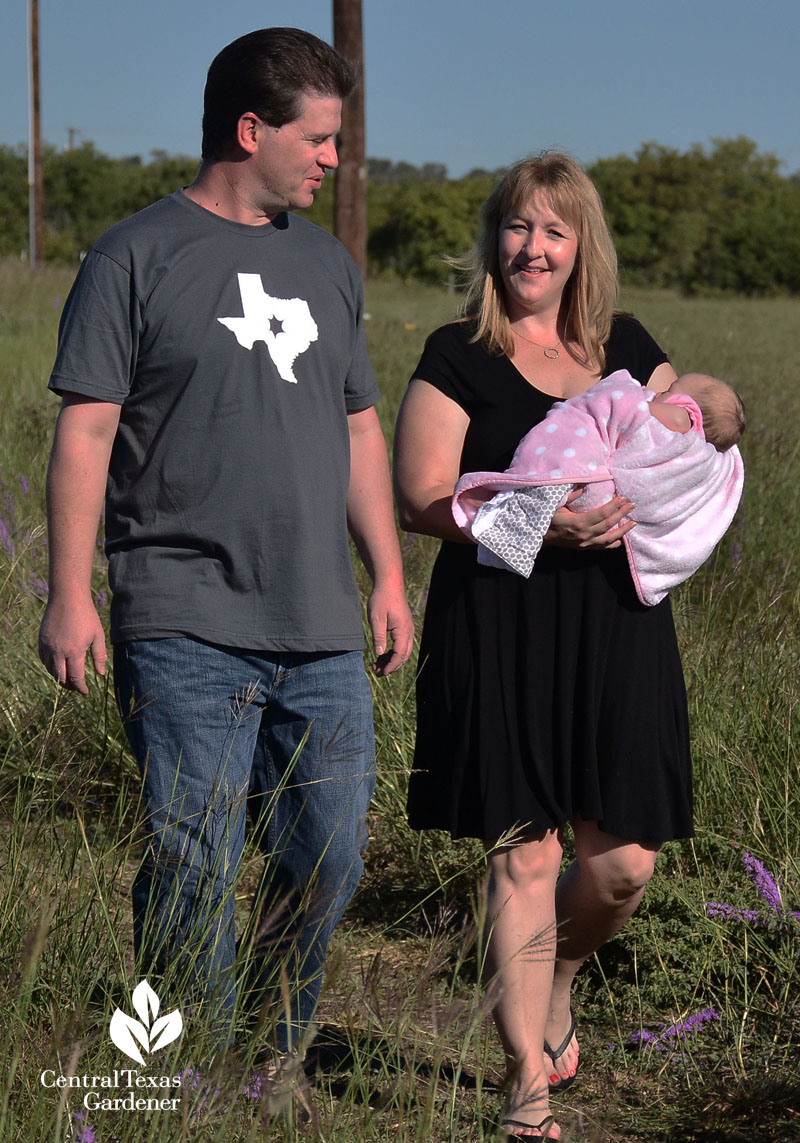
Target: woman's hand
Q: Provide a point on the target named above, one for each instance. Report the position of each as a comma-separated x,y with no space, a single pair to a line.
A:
594,530
600,527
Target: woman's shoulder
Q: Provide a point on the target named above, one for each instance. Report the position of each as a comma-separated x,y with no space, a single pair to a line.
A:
456,334
631,347
625,324
454,363
452,347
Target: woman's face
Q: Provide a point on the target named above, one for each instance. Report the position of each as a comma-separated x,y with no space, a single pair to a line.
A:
537,255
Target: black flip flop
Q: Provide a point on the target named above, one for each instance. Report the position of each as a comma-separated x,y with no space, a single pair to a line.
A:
562,1084
508,1126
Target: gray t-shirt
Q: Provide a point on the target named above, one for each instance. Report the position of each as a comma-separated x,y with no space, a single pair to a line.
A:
236,353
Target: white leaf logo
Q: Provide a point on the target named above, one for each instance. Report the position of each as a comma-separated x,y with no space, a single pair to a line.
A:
150,1032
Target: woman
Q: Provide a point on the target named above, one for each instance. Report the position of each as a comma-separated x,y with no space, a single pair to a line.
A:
559,698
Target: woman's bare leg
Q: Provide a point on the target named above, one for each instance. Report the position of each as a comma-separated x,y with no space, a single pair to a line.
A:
521,884
595,896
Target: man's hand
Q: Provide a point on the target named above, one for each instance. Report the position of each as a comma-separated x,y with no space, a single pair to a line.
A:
370,517
65,636
388,613
597,529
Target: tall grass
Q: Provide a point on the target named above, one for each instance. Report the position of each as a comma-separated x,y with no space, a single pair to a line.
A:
689,1021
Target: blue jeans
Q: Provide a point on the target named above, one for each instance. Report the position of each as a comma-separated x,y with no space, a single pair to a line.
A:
217,732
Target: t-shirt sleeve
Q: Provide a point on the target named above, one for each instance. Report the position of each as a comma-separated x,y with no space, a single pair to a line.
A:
361,389
99,332
446,364
631,347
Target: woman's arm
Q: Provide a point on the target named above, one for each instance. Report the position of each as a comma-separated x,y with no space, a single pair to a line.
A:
662,377
428,441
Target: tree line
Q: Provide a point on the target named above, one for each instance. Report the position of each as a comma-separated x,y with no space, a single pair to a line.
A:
718,218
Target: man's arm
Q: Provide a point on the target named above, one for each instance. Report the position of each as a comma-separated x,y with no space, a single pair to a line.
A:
76,484
370,517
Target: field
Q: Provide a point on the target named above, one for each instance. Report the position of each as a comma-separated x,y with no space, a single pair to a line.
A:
689,1022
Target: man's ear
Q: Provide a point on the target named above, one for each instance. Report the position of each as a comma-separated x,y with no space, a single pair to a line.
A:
247,131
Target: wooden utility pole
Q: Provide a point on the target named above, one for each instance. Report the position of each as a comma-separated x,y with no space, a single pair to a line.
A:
35,180
350,185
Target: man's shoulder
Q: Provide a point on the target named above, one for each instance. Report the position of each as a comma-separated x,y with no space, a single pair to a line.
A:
303,230
160,217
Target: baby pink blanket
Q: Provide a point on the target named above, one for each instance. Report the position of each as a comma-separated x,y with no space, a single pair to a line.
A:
685,492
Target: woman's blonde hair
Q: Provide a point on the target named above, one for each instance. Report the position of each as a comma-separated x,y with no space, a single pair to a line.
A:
588,301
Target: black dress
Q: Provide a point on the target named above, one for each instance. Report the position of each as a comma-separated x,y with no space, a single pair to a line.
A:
542,698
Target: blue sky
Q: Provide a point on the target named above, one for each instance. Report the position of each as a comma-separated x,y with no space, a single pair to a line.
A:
462,82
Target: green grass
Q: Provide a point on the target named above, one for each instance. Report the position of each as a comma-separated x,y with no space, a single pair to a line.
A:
406,1050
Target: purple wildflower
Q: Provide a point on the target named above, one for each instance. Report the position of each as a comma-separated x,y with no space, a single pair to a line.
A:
190,1078
254,1089
207,1095
101,599
767,888
23,484
787,921
691,1023
764,882
83,1132
5,537
643,1036
34,585
677,1031
717,909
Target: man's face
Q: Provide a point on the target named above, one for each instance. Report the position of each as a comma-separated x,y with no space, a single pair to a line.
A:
290,161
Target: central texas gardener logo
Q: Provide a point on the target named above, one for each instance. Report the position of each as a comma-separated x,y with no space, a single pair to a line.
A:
151,1030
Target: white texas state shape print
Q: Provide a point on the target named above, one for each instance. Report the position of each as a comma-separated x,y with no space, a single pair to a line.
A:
285,325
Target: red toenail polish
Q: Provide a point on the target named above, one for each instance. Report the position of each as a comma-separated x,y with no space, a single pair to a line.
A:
553,1079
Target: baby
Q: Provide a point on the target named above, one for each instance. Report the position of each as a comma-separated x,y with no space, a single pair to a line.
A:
713,409
619,437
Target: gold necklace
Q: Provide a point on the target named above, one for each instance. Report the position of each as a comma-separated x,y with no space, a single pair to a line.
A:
550,351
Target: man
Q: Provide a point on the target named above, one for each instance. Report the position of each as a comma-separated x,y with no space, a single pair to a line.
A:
214,377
